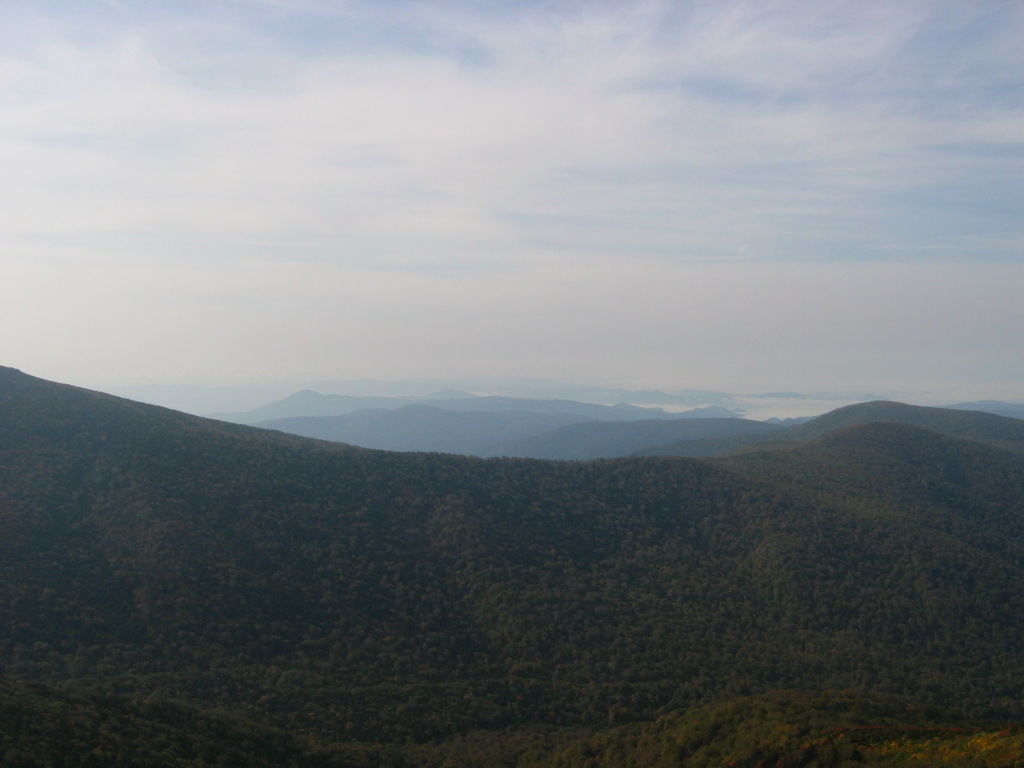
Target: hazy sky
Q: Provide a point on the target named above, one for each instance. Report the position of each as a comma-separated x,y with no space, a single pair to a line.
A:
744,196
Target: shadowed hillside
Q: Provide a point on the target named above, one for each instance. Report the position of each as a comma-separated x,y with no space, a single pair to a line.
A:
347,594
502,426
42,726
424,428
605,440
825,730
1001,431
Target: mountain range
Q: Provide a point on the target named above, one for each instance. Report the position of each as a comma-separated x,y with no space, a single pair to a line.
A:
426,609
308,403
462,423
972,425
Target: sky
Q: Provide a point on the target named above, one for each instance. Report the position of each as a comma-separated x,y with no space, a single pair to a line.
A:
744,196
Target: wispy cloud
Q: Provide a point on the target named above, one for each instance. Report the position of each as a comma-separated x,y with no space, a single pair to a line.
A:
471,149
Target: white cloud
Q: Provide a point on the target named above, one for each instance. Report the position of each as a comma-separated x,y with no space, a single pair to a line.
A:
530,186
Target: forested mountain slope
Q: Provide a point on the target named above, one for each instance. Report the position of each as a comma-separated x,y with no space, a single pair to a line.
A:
506,426
310,404
350,594
606,440
425,428
826,730
41,727
971,425
998,407
1001,431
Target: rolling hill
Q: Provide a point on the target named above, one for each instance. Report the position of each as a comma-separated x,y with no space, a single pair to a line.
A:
609,440
998,407
426,428
998,430
834,728
309,404
494,426
521,434
348,595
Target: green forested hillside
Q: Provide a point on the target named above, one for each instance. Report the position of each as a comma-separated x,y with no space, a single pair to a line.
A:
1001,431
790,728
42,726
352,595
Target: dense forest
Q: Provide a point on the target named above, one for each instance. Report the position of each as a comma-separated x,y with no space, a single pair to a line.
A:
982,427
188,581
42,726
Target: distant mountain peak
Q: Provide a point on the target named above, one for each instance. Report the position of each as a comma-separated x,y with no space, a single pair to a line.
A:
449,394
305,394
